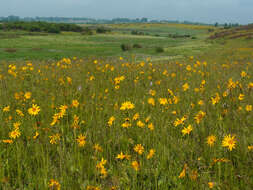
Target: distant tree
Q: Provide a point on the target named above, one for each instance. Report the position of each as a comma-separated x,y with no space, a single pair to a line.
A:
53,29
144,20
216,24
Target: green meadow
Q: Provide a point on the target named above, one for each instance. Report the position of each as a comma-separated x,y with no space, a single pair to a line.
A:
173,110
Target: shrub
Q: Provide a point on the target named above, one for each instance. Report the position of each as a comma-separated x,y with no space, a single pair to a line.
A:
134,32
102,30
126,47
53,29
87,31
159,50
137,46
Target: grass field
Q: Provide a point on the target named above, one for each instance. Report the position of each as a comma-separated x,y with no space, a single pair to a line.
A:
41,46
102,118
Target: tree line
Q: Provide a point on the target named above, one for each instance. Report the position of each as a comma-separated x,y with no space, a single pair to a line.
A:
40,27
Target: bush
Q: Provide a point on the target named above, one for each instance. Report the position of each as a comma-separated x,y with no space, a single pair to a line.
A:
135,32
87,31
53,29
102,30
159,50
137,46
126,47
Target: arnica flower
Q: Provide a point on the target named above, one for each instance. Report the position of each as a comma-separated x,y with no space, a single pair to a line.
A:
229,142
200,102
151,101
6,109
111,120
7,141
210,185
140,124
200,115
216,160
34,110
151,153
36,135
194,175
69,80
188,68
135,165
248,108
152,92
16,125
14,134
120,156
75,103
136,116
81,139
243,74
127,106
175,99
91,187
216,99
210,140
250,85
19,112
170,92
126,124
183,172
101,167
139,149
97,148
185,86
179,121
151,126
54,185
163,101
241,97
250,147
54,138
27,95
231,84
187,130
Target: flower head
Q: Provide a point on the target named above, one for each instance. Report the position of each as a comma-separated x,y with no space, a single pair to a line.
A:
127,106
34,110
229,142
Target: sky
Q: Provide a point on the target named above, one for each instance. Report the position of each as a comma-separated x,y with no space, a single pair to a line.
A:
208,11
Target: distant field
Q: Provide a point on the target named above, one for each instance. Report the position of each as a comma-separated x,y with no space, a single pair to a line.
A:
29,46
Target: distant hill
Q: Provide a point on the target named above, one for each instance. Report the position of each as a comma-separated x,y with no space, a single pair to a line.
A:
245,31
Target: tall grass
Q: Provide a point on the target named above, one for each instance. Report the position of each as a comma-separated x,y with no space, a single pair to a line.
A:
126,125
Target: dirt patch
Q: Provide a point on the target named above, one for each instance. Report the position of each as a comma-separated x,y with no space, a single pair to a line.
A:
10,50
233,33
36,49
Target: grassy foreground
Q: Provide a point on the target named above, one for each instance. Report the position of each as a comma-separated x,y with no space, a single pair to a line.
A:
93,124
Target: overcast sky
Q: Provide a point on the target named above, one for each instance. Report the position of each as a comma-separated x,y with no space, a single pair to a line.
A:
208,11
